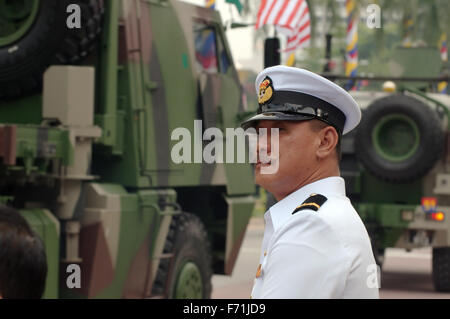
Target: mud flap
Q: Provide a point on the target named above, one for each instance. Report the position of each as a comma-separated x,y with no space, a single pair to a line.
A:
239,212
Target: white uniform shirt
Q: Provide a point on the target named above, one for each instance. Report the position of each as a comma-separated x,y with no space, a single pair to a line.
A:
323,254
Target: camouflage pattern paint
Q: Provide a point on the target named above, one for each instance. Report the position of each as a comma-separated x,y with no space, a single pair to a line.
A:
115,203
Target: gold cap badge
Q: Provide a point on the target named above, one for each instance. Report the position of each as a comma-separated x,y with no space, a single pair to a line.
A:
265,91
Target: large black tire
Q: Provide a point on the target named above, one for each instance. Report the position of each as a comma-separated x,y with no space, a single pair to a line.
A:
441,269
399,139
48,41
188,241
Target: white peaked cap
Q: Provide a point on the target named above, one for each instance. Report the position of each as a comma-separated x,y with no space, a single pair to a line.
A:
291,79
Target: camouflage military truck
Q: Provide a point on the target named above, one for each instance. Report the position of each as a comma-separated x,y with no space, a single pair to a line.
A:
396,164
87,108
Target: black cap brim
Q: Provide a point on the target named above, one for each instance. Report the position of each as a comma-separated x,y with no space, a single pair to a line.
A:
275,116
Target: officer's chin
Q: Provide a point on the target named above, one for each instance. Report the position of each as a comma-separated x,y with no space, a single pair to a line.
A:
265,173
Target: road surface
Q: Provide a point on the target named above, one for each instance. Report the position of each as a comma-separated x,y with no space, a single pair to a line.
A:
404,275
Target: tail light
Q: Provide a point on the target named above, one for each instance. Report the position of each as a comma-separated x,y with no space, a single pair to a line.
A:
437,216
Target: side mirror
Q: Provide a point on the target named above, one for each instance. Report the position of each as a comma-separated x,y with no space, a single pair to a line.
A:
272,54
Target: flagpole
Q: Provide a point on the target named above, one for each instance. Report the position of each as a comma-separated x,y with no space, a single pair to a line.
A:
442,86
408,29
351,56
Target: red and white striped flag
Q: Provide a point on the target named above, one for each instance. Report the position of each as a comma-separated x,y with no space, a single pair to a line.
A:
291,17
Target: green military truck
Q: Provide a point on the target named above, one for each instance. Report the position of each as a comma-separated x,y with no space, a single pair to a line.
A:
90,92
396,164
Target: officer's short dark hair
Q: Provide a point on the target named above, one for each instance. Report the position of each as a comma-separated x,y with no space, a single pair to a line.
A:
319,125
23,263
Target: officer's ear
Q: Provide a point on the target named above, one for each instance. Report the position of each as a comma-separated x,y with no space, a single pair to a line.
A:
328,137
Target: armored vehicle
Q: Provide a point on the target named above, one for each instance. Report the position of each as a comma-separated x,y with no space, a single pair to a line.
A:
90,93
396,164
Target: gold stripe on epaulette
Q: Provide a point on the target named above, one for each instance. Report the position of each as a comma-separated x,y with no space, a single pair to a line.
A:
258,271
308,204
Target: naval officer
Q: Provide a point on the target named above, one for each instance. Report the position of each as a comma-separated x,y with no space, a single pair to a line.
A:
315,244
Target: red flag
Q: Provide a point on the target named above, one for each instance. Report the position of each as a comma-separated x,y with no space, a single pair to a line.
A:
291,17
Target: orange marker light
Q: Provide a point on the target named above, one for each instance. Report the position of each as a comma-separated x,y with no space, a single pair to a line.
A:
439,216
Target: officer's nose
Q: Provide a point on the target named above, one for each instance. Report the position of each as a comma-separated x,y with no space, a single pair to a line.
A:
264,145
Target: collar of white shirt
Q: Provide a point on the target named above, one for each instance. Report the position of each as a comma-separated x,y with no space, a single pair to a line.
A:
278,214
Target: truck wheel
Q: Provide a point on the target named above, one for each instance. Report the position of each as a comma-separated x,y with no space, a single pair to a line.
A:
188,274
399,139
34,34
441,269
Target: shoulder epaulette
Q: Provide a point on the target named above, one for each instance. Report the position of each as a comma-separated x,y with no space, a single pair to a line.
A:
312,202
